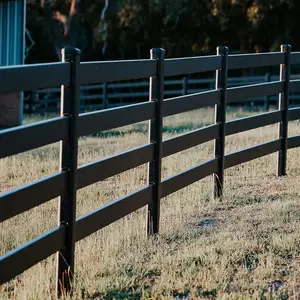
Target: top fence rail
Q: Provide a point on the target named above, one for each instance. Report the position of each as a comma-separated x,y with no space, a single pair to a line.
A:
243,61
37,76
40,76
95,72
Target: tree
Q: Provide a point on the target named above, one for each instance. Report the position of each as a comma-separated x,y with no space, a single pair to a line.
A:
63,24
114,29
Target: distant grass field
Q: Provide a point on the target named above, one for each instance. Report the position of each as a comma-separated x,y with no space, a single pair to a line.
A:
245,246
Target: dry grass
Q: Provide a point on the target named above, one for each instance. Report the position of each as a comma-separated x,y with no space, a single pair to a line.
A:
246,246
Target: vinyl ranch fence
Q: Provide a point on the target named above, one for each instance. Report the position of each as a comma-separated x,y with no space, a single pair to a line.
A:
70,73
111,94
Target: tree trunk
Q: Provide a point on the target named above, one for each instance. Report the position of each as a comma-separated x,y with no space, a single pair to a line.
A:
108,18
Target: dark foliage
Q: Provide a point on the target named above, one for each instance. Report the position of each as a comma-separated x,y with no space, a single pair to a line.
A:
129,28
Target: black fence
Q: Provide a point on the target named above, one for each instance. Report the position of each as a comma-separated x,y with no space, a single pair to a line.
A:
71,125
115,94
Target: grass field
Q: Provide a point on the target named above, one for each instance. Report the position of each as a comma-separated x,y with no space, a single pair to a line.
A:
245,246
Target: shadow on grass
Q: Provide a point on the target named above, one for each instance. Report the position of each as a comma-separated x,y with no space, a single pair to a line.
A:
116,294
131,293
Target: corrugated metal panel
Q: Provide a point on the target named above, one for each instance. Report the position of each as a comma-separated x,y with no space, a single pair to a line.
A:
12,49
12,32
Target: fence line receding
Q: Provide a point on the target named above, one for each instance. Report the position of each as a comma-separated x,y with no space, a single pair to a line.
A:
70,126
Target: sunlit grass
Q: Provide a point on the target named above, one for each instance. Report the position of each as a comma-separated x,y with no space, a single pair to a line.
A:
243,246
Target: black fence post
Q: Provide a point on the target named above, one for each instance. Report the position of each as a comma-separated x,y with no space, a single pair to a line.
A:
284,108
220,118
70,98
156,94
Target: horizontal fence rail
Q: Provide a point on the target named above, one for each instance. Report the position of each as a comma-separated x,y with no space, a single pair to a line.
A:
31,195
32,136
108,119
182,104
256,60
295,58
293,142
262,89
112,212
294,86
179,66
253,122
185,178
95,72
95,172
189,140
72,74
251,153
294,114
30,77
16,261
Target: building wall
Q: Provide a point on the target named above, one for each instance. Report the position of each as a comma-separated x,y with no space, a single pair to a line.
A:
12,49
12,32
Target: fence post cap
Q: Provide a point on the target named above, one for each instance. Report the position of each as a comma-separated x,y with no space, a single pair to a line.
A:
157,53
158,50
69,52
286,48
222,49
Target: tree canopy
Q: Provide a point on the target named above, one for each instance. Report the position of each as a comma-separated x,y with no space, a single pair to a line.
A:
124,29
